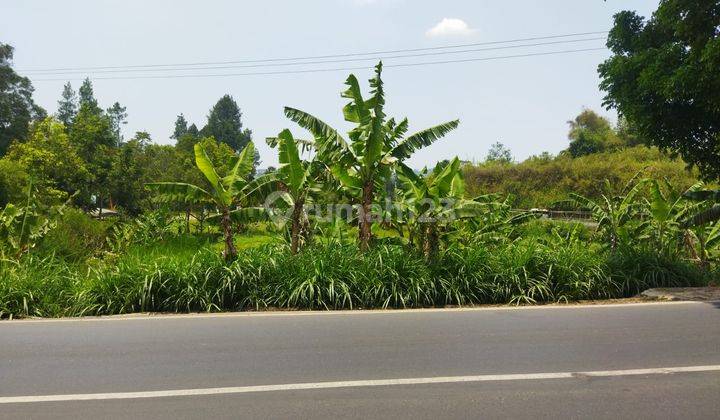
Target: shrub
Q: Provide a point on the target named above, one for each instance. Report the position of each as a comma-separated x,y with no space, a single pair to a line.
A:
76,236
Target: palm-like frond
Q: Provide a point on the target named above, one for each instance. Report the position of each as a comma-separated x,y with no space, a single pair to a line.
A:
376,139
179,192
328,141
244,215
705,217
422,139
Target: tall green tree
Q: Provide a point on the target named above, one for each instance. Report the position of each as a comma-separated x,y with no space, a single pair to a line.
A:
51,160
91,134
225,124
118,117
663,77
86,97
17,108
376,145
499,153
591,133
67,105
181,127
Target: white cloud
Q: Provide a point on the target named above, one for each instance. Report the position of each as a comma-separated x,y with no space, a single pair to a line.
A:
449,27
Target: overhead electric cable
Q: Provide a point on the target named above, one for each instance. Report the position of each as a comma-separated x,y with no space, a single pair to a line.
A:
427,63
267,60
346,60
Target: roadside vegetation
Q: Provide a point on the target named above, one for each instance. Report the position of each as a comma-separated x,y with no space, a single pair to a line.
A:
94,224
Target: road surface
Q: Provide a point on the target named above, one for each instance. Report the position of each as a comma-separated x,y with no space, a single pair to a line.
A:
638,360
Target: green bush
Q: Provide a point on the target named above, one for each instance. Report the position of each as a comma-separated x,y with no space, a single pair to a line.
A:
76,236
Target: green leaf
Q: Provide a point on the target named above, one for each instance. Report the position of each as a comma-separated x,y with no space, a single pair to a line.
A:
179,192
346,179
659,207
292,168
705,217
245,215
328,142
355,111
205,165
242,167
422,139
376,139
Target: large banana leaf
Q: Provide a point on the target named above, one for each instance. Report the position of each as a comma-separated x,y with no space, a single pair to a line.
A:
294,172
305,144
244,215
205,165
442,182
705,217
422,139
348,180
705,195
261,186
660,208
241,168
376,138
328,142
179,192
355,111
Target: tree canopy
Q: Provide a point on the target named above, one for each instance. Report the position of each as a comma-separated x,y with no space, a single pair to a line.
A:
663,77
225,124
17,108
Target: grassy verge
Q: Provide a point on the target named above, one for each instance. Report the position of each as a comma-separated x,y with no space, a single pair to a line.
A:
186,274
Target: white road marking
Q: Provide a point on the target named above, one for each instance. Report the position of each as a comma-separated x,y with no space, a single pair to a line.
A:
191,316
352,384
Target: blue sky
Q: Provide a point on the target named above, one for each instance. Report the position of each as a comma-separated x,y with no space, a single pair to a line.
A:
522,102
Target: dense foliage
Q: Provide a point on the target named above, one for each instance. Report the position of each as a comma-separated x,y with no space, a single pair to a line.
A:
542,181
663,76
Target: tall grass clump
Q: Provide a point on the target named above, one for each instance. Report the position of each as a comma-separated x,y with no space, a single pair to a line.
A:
171,282
40,286
637,269
334,276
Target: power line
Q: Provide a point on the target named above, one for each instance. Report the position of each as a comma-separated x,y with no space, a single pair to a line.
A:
427,63
285,64
268,60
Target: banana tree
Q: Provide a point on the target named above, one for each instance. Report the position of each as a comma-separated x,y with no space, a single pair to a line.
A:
614,214
362,163
666,208
298,178
225,193
702,226
434,200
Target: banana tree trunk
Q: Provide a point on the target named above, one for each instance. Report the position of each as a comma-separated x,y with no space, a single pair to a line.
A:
230,252
431,242
364,218
295,229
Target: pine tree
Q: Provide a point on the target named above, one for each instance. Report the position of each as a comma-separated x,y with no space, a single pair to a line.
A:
181,127
67,105
118,117
225,124
87,96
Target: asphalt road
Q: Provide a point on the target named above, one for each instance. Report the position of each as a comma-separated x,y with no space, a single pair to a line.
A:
523,363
